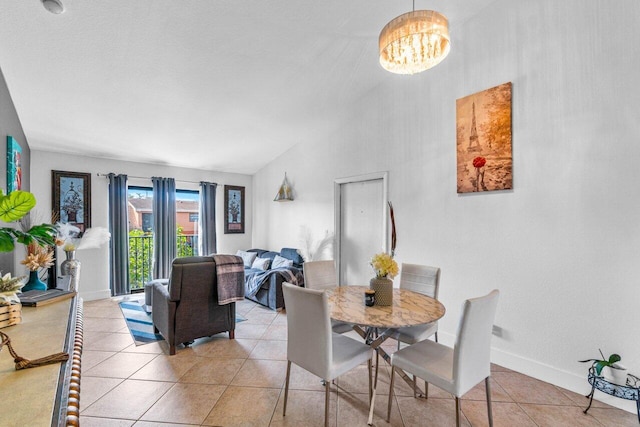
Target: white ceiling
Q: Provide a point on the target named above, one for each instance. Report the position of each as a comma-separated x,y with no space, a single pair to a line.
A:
226,85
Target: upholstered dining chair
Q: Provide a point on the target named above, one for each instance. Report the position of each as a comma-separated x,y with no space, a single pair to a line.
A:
455,370
424,280
311,344
321,275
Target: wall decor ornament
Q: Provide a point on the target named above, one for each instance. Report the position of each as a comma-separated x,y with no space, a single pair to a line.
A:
234,209
71,196
483,141
14,165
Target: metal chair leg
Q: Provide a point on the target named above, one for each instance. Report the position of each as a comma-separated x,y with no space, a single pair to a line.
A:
457,412
390,393
375,381
286,388
369,365
488,390
426,390
326,403
415,393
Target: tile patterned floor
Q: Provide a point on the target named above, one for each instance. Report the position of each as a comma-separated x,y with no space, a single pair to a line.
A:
222,382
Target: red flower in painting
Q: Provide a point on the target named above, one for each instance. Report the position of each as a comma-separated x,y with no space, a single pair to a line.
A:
479,162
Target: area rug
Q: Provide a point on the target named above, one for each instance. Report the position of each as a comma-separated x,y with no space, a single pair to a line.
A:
140,324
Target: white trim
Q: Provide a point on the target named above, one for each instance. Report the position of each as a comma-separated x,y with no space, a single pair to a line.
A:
337,186
91,296
547,373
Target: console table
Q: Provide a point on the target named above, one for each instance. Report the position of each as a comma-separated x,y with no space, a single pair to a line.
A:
47,395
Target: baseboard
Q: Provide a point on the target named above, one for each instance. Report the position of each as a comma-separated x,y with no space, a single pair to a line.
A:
547,373
91,296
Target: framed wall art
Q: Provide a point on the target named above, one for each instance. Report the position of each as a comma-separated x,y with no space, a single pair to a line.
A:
483,141
234,209
14,165
71,196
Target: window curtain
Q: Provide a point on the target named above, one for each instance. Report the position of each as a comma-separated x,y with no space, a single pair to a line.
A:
118,227
207,219
164,226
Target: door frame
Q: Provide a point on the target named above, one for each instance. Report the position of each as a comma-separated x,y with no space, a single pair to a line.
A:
337,196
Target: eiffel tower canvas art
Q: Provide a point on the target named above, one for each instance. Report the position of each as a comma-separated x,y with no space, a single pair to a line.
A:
483,146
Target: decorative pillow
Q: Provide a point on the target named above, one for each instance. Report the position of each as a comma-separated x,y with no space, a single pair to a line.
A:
279,261
247,257
291,254
261,263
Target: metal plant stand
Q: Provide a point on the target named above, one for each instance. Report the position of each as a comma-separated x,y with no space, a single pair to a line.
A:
630,391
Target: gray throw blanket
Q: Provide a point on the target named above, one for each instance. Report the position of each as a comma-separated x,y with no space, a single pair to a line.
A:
255,281
230,278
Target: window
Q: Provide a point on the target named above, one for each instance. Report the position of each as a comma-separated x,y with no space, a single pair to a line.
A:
147,222
141,230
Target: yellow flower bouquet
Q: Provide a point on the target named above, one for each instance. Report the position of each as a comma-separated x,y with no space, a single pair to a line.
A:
384,265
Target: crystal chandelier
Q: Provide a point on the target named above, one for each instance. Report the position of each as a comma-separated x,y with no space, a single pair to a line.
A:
414,42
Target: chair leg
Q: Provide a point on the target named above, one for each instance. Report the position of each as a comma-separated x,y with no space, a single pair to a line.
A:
415,393
393,370
286,388
375,382
172,349
370,382
457,411
426,390
232,334
488,390
326,403
436,336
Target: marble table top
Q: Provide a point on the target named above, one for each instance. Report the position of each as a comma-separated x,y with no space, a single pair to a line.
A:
409,308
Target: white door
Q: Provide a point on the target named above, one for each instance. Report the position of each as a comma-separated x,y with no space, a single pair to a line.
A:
361,226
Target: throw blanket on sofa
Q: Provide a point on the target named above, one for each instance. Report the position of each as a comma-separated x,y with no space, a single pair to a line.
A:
230,278
255,281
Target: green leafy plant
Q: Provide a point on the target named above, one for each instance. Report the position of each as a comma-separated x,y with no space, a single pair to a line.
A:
13,207
599,364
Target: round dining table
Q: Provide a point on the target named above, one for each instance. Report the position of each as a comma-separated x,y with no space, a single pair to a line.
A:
377,323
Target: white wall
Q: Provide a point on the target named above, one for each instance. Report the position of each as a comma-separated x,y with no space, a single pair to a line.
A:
94,277
562,247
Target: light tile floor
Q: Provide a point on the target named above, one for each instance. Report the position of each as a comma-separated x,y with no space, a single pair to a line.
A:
222,382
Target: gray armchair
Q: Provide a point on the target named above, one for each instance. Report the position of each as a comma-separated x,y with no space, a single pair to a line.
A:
187,308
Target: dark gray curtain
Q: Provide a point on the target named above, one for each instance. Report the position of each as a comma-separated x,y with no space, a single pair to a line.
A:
207,219
119,229
164,226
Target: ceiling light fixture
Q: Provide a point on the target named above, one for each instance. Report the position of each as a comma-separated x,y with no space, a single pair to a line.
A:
414,42
53,6
284,192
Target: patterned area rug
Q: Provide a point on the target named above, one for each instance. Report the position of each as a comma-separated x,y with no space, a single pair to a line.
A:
140,324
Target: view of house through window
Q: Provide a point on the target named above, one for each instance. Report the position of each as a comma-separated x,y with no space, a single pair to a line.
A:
141,230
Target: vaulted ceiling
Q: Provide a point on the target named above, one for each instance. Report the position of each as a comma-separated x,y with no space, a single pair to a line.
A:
226,85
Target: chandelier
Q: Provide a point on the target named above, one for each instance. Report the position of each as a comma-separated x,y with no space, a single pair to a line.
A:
414,42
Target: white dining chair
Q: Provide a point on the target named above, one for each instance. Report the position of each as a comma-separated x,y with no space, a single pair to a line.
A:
313,346
455,370
321,275
424,280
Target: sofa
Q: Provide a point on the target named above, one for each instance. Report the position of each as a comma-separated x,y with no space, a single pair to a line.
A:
269,291
187,307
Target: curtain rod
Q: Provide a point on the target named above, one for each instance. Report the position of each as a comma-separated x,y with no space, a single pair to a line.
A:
148,177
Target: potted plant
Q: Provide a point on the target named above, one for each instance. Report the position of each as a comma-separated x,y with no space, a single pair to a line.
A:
609,368
13,207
